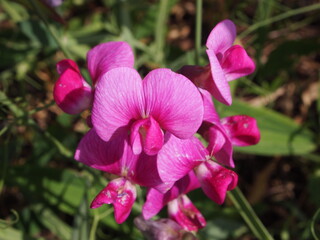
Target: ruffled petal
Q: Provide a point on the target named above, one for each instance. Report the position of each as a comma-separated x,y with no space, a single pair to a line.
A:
222,36
105,156
236,63
242,130
178,157
217,83
121,193
186,214
106,56
216,180
146,134
118,101
71,92
173,101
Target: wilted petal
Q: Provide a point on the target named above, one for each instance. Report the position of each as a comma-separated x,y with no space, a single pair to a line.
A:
186,214
121,193
118,101
222,36
216,180
105,156
217,83
236,63
156,201
71,92
146,134
178,157
162,229
173,101
107,56
242,130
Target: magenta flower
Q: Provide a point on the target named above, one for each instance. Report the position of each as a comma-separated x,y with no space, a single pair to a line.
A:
71,92
116,157
162,229
163,101
240,130
180,208
227,63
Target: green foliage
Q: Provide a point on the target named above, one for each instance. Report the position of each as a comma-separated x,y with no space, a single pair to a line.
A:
51,192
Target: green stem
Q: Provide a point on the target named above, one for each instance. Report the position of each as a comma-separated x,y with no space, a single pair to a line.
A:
249,215
96,219
279,17
313,222
50,29
160,33
198,31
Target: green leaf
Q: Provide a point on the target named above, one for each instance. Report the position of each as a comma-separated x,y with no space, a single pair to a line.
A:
279,134
10,234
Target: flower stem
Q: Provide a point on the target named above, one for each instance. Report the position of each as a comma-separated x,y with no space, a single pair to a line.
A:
198,31
248,214
279,17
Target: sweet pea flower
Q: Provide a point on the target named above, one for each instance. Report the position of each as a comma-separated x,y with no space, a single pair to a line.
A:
71,92
227,62
223,134
180,207
163,102
116,157
162,229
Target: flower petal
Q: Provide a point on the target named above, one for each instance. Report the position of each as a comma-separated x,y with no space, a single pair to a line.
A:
242,130
146,133
186,214
222,36
118,101
173,101
105,156
216,180
217,83
71,92
178,157
121,193
106,56
210,113
156,200
236,63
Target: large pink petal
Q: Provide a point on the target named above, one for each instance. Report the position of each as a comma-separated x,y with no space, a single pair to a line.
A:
173,101
118,101
71,92
121,193
156,200
147,134
222,36
216,180
98,154
236,63
242,130
186,214
107,56
217,83
178,157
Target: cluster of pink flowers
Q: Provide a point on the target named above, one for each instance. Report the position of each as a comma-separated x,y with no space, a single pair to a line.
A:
143,131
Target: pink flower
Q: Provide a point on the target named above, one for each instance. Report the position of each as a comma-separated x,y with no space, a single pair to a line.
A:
239,130
116,157
180,207
163,101
71,92
227,63
162,229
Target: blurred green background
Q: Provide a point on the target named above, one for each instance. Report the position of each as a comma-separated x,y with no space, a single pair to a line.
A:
45,194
